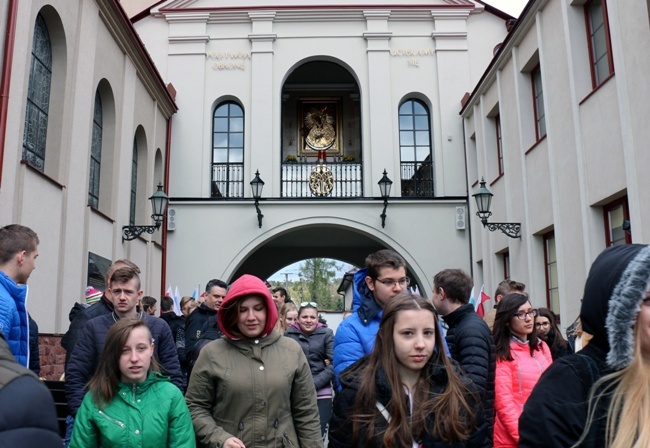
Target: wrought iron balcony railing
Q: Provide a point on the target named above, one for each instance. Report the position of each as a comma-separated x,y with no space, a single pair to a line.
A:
417,179
347,180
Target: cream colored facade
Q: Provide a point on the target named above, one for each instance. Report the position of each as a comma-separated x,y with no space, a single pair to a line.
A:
371,57
94,49
593,159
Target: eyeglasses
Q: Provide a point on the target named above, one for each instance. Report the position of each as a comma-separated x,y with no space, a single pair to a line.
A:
401,282
312,304
542,324
521,315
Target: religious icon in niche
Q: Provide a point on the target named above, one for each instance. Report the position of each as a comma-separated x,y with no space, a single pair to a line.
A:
320,122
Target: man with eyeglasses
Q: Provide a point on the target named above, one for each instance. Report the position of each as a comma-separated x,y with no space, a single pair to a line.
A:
383,278
468,337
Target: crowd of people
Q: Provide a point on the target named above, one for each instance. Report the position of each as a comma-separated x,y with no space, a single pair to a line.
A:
247,367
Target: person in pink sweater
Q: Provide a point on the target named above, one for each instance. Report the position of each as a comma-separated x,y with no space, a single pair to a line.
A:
521,359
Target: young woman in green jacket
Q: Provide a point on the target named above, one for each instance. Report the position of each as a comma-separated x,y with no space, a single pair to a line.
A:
129,403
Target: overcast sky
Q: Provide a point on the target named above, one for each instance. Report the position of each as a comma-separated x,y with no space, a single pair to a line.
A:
512,7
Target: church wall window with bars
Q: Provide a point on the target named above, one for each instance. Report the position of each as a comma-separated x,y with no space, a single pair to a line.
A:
38,96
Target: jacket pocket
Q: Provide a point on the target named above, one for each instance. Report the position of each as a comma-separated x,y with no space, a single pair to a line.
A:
112,420
286,442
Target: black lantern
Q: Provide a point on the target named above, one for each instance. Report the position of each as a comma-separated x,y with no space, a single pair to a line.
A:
483,199
384,188
159,201
257,184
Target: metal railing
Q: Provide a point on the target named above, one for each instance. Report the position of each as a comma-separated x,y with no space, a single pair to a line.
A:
227,180
348,180
417,179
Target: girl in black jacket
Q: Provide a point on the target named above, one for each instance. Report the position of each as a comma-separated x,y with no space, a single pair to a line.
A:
406,393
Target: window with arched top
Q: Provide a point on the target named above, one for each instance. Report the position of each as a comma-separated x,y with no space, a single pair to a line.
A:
134,181
96,153
228,151
415,149
38,96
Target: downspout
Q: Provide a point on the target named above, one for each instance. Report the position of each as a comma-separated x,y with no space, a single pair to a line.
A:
163,267
7,63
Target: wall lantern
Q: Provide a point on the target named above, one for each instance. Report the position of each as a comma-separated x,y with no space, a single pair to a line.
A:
384,187
483,200
257,185
159,202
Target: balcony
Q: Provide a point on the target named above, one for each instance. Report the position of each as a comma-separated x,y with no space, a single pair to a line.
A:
347,180
417,179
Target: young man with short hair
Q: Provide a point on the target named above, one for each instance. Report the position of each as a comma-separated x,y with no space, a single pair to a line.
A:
149,305
503,288
102,306
383,278
468,337
280,297
205,315
124,287
18,252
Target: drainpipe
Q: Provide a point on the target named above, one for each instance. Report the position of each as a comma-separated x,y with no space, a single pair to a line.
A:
163,267
7,62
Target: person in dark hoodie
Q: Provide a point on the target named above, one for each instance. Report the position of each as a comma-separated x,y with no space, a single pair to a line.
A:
317,342
584,399
27,411
252,387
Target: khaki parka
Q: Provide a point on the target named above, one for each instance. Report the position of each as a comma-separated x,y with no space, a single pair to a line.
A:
259,390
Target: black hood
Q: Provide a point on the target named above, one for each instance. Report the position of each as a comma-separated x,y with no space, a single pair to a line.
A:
604,275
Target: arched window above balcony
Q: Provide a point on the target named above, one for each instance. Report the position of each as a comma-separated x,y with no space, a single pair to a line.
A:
415,149
228,151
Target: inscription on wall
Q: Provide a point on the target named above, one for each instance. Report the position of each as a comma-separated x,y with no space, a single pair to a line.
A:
411,54
228,60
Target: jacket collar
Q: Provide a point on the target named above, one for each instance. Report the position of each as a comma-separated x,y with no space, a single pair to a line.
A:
18,292
364,301
247,344
455,316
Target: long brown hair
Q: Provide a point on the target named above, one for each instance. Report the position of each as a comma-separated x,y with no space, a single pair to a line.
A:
506,310
446,415
558,340
103,384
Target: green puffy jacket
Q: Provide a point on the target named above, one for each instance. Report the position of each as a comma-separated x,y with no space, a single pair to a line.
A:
152,414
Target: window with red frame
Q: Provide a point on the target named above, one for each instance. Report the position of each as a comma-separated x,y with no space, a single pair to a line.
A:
552,284
538,103
497,124
600,46
617,220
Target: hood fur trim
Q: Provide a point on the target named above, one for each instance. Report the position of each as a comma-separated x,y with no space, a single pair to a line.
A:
624,305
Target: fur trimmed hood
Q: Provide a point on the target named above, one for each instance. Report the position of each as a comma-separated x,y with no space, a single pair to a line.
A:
615,287
624,306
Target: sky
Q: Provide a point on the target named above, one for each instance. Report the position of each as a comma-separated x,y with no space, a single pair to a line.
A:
512,7
293,269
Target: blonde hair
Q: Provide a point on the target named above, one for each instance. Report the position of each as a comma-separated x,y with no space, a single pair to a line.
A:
629,409
286,307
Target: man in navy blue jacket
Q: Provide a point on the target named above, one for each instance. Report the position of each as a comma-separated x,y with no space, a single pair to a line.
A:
125,292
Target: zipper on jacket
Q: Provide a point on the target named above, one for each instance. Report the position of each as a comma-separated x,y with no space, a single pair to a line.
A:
240,428
111,419
134,389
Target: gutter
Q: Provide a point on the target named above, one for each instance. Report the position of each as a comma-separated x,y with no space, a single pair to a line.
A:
163,264
7,64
